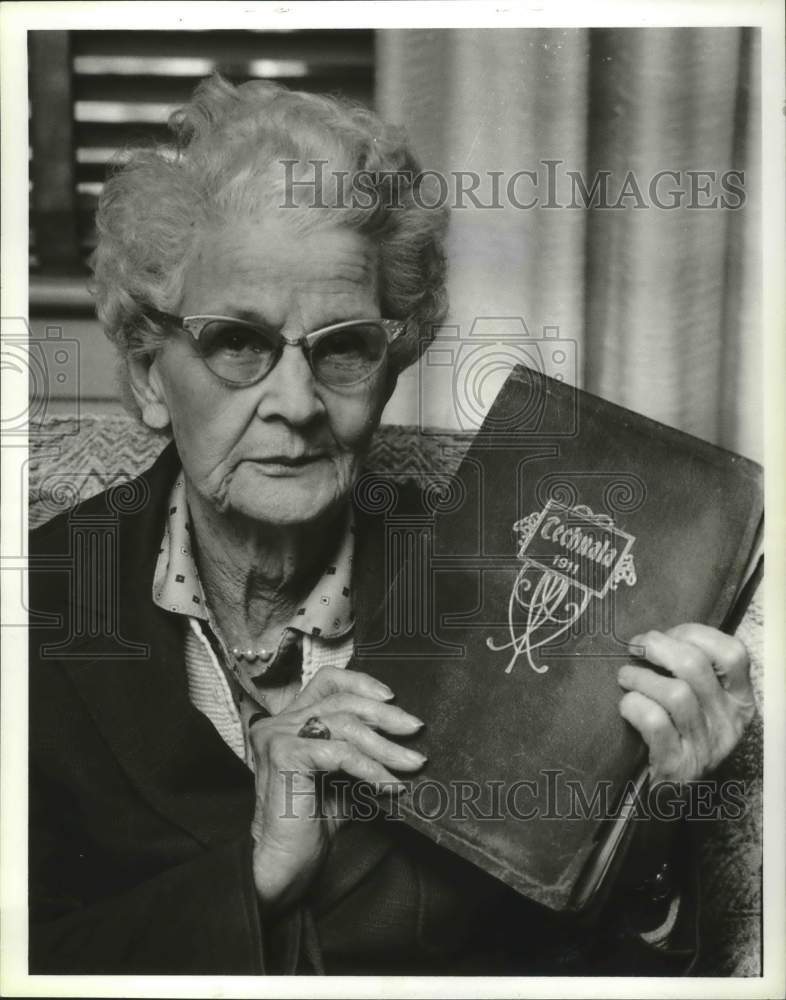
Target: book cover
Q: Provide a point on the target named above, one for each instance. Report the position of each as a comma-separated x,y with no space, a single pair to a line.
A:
571,525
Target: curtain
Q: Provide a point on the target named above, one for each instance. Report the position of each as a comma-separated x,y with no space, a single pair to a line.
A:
648,296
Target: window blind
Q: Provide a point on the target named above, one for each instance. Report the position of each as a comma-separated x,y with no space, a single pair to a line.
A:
93,93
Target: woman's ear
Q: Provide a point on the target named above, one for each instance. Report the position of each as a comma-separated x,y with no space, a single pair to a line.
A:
145,382
390,384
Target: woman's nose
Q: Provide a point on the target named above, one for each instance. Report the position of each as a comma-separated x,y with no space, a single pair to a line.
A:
289,391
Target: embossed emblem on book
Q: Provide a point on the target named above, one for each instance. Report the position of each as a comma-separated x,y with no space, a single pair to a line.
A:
570,556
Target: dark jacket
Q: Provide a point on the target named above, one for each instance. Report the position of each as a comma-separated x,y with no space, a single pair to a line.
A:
140,850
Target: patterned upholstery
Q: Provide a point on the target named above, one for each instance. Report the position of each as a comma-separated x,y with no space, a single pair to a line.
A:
71,460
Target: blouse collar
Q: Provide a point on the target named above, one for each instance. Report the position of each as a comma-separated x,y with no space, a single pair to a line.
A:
326,612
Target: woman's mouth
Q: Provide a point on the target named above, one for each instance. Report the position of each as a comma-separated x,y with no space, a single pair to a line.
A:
293,462
293,459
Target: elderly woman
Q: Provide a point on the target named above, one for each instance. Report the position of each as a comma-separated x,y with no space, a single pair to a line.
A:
263,324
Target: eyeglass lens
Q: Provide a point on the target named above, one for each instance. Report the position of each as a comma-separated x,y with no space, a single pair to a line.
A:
240,353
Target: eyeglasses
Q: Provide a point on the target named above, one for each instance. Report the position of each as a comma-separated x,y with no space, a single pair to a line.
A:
243,353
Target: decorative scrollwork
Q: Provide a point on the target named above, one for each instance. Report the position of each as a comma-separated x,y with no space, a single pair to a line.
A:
625,494
444,494
539,604
523,531
602,519
130,497
58,494
374,495
624,572
549,597
557,488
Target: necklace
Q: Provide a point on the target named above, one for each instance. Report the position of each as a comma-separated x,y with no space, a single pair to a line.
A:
252,655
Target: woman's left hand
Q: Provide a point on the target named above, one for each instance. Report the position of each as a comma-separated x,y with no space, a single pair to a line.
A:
693,719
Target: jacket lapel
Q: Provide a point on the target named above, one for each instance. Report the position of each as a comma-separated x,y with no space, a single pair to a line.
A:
361,846
169,749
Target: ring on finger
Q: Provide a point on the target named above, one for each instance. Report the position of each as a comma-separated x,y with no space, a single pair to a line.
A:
314,729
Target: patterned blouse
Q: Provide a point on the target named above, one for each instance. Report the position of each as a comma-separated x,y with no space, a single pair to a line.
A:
228,690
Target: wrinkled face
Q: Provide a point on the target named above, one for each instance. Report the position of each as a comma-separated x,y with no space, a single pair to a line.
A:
286,450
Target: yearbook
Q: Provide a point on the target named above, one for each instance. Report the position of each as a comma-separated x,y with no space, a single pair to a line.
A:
570,526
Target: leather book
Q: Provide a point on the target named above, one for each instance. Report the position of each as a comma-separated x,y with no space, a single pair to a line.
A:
571,525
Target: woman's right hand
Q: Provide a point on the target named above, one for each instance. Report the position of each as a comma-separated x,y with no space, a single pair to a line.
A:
292,828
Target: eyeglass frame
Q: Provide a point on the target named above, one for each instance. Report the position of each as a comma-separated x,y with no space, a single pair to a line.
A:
195,325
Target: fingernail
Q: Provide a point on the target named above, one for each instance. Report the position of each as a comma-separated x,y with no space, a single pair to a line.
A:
387,694
415,757
414,722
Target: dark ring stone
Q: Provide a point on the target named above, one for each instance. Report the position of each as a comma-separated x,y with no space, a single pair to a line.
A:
314,729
